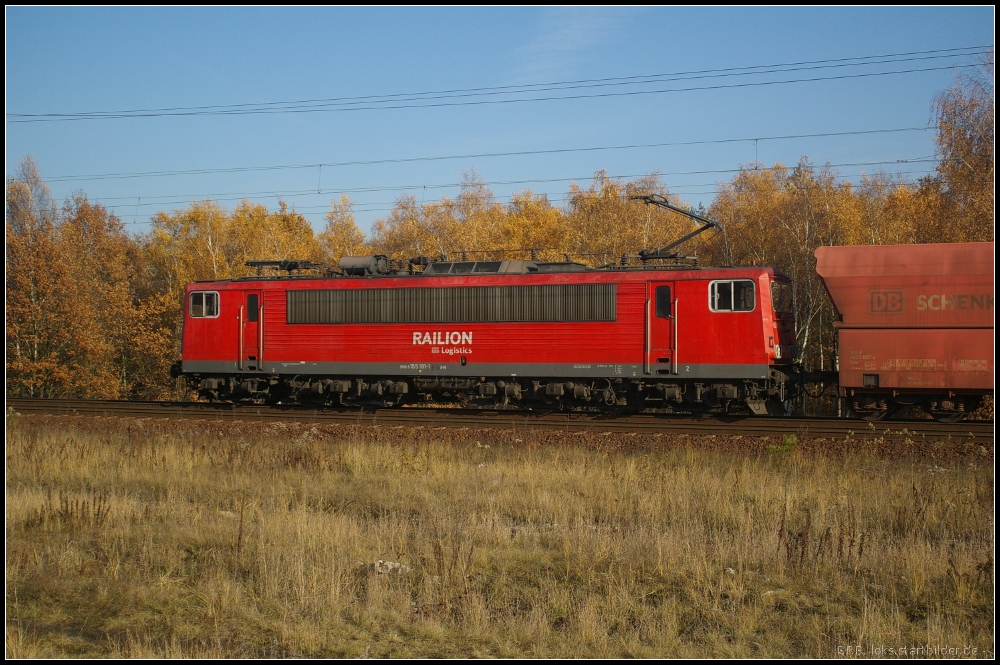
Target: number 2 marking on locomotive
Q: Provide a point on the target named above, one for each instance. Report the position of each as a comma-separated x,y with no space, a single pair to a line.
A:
687,368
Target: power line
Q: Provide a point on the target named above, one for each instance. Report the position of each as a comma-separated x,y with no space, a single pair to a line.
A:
362,207
417,187
484,155
632,93
677,190
551,198
393,101
937,53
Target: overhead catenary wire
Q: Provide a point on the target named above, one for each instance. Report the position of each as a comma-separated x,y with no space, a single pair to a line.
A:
527,181
501,101
433,99
933,53
482,155
194,198
241,196
551,198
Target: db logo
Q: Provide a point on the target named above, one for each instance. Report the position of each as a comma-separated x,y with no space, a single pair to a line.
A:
885,302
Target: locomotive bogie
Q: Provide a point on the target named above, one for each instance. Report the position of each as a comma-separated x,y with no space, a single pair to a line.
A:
602,395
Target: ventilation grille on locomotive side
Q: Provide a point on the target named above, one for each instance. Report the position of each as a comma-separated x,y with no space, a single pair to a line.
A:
469,304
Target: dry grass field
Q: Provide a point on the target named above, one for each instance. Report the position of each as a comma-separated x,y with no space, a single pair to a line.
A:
132,538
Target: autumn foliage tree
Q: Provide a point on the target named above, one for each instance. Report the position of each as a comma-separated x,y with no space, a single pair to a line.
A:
123,319
607,221
443,228
965,117
46,347
341,235
76,325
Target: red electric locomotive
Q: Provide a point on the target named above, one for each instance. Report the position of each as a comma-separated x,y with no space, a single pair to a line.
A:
498,332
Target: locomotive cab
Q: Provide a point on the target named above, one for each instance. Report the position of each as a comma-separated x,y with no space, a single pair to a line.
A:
222,342
720,340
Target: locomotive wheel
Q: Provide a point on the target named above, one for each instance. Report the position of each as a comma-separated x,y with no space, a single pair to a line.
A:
737,410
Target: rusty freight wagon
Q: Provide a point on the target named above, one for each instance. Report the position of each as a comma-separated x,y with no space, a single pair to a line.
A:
915,325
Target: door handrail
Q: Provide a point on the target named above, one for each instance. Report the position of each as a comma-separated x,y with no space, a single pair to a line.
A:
649,335
673,355
239,357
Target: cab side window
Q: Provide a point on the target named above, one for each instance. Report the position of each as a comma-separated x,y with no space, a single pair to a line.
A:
204,304
735,295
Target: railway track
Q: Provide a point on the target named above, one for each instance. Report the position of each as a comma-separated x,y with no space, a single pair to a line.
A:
978,431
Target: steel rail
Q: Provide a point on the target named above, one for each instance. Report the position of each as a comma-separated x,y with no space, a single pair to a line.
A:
917,430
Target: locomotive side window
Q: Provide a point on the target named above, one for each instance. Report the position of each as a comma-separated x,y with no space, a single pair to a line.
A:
252,307
663,302
204,304
722,296
743,296
735,295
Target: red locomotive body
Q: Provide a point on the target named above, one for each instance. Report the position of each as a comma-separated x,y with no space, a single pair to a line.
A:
915,325
500,332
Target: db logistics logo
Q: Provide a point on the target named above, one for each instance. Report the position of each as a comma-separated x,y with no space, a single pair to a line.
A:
885,302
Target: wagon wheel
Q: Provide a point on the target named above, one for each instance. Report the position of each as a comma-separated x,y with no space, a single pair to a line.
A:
880,410
948,415
879,414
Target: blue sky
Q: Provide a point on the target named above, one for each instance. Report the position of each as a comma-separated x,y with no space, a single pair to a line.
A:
71,60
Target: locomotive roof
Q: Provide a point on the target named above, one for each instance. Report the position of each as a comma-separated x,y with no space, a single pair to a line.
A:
475,268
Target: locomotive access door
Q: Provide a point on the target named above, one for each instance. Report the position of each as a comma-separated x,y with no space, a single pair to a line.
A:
251,330
661,328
